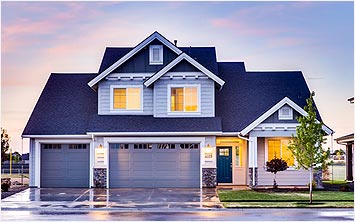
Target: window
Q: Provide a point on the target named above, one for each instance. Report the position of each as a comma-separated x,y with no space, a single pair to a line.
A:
184,99
52,146
143,146
163,146
126,98
285,113
118,146
238,161
189,146
156,55
77,146
279,149
224,152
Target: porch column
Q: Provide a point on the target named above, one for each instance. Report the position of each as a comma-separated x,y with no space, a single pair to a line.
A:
253,161
349,162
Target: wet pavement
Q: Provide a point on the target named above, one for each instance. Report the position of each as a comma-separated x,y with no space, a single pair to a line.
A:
120,198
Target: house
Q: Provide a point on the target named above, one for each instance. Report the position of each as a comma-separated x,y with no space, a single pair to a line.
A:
161,115
348,141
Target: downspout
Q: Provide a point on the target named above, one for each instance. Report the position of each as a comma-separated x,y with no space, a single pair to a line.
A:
247,139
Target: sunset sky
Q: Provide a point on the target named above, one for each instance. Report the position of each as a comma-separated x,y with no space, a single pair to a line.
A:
38,38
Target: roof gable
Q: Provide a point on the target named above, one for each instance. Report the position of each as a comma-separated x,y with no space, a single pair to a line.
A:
181,57
131,53
275,108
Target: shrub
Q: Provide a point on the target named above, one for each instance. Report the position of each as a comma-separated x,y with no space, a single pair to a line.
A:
5,184
275,165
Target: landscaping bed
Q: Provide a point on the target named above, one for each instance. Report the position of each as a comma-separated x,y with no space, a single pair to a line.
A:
279,198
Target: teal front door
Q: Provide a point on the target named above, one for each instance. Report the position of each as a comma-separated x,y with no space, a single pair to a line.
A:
224,164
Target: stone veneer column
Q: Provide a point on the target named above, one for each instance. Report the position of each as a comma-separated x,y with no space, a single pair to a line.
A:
209,177
250,176
100,177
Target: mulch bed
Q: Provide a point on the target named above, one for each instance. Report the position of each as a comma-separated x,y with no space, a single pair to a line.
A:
13,190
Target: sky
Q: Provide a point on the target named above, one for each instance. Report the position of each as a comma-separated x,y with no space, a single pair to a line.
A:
39,38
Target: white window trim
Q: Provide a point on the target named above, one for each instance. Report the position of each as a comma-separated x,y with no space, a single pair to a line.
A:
290,168
161,60
112,110
184,113
286,117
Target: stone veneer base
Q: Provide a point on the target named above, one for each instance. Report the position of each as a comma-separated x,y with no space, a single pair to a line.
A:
100,177
209,177
250,176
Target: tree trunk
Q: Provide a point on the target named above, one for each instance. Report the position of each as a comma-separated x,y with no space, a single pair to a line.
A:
310,185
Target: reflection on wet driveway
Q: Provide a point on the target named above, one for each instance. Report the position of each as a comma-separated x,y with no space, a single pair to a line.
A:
120,198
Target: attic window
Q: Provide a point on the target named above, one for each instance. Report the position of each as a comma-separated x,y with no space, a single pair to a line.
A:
156,55
285,113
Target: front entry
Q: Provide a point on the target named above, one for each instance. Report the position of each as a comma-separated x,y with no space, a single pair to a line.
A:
224,164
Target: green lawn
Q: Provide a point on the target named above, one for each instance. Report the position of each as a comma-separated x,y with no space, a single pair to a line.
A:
249,198
336,182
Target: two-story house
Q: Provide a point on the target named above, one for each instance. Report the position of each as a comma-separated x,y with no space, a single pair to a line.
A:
160,115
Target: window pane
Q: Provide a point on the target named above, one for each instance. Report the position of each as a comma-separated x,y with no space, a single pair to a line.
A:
177,99
119,98
286,154
156,53
274,149
237,156
191,99
133,98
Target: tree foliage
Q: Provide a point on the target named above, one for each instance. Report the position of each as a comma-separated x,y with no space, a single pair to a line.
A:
275,165
5,144
306,146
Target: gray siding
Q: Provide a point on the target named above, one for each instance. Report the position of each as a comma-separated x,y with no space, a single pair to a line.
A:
274,118
32,159
206,98
104,97
287,177
140,61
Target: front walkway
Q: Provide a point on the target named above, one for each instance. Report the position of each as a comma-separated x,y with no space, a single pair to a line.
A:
118,198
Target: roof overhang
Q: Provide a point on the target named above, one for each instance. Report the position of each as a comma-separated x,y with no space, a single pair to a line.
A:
183,56
131,53
276,107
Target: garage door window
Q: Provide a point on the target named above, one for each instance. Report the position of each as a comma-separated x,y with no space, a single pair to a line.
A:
189,146
163,146
52,146
144,146
119,146
77,146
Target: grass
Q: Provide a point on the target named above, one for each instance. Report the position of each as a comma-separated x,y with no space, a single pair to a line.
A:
336,182
249,198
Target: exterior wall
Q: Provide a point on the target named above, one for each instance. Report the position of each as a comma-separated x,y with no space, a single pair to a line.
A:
104,97
287,177
206,96
274,118
33,155
139,63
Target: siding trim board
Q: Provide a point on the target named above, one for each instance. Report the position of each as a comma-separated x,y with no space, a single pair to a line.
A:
193,62
131,53
275,108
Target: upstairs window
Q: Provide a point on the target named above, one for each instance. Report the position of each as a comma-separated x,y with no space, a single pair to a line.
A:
285,113
156,55
184,98
126,98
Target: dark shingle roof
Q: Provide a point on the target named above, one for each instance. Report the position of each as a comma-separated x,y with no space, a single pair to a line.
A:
206,56
68,106
247,95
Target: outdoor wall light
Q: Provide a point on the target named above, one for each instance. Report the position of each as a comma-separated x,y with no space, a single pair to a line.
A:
208,149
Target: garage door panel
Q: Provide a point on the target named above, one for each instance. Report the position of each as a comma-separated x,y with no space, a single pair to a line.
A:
64,167
154,167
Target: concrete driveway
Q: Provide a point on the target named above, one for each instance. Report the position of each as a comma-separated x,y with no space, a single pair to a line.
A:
120,198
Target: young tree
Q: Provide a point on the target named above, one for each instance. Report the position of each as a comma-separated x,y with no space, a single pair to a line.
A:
306,146
275,165
5,145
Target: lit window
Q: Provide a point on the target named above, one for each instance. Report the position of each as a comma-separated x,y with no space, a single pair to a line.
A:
238,153
279,149
156,55
285,113
184,99
126,98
